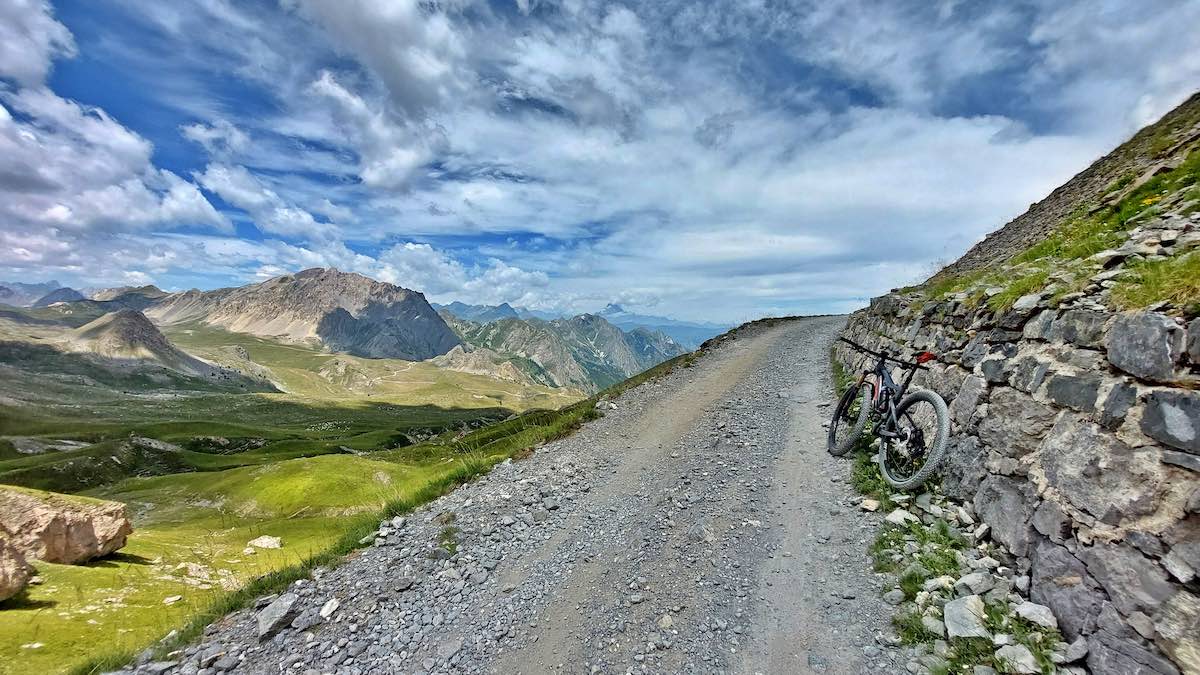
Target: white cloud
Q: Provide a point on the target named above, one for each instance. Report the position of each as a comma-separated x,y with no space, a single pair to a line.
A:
412,46
219,139
270,212
390,149
441,277
30,39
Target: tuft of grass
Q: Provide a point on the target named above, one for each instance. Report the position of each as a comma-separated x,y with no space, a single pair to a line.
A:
1022,285
911,583
448,538
1175,280
865,475
937,543
1120,183
910,629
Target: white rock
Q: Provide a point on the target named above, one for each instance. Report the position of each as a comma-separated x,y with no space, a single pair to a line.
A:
1039,614
172,599
869,505
331,605
1027,302
15,572
265,541
1017,659
964,618
901,517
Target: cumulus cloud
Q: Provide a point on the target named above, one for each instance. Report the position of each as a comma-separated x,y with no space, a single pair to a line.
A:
71,176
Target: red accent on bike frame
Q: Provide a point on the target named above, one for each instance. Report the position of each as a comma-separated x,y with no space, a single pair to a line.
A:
925,357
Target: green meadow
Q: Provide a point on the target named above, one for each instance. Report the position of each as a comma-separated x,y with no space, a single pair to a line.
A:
316,456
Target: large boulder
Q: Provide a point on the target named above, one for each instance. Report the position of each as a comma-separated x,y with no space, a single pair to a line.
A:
14,570
1062,583
1134,582
60,528
1145,344
1015,423
1099,474
1080,327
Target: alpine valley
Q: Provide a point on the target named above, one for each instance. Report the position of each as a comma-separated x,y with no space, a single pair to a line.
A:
222,435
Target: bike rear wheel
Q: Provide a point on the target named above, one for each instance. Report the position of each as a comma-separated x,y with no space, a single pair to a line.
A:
923,429
849,418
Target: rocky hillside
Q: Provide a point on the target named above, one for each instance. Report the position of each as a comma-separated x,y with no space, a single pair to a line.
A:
346,312
479,313
483,361
1157,148
133,297
127,335
1069,351
584,352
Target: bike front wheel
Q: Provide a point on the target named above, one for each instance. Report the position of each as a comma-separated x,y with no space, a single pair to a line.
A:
849,418
919,446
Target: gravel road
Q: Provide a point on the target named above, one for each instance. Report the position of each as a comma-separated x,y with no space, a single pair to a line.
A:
698,527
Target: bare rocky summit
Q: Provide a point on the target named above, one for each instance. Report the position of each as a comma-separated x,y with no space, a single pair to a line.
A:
344,311
64,529
482,361
58,295
128,334
108,294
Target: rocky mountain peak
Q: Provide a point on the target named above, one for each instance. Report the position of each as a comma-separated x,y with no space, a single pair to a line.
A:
344,311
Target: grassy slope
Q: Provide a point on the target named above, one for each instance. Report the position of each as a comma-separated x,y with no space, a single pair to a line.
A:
91,617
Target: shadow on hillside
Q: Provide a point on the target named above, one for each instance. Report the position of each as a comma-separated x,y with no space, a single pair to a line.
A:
42,360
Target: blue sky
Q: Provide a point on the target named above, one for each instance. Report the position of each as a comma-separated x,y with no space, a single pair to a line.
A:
718,161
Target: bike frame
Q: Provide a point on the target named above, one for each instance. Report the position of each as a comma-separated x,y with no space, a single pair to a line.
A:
887,395
884,406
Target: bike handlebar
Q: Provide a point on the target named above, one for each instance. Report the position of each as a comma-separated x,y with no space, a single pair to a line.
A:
883,355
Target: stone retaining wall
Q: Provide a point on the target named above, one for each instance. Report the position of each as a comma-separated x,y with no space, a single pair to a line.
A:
1076,433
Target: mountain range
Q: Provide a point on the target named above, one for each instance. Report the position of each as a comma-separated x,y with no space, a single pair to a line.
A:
688,334
341,312
586,351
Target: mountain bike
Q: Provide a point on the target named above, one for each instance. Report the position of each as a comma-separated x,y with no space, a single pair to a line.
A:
912,429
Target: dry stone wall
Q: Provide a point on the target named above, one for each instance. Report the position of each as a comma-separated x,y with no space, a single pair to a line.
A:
1076,434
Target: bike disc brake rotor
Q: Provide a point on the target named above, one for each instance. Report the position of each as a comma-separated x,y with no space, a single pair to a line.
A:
906,452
